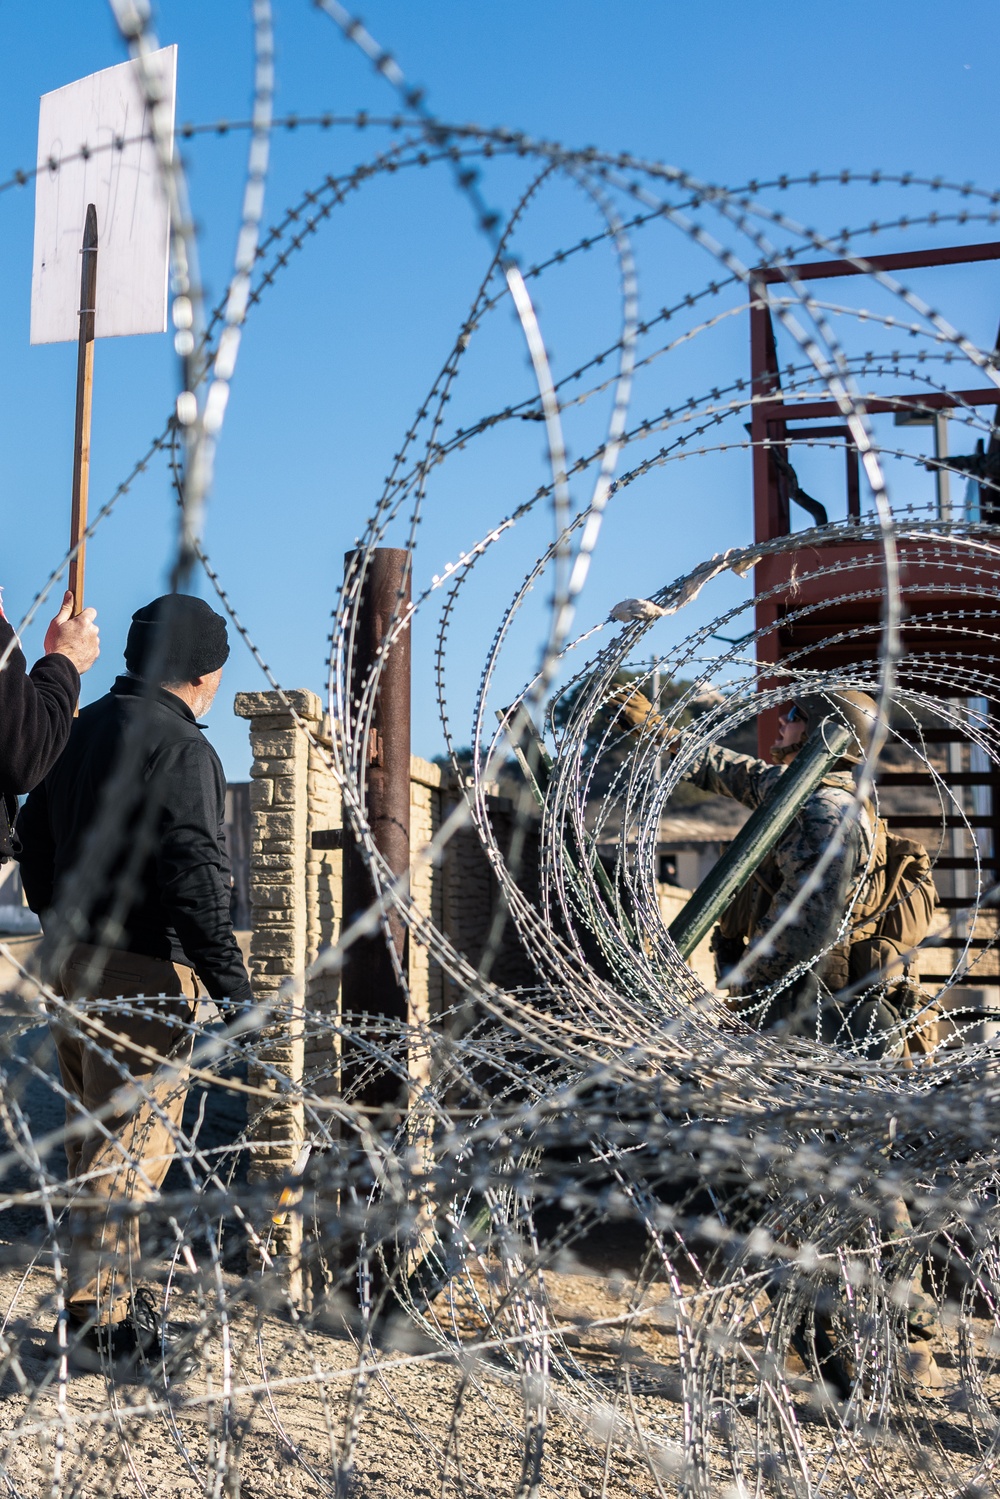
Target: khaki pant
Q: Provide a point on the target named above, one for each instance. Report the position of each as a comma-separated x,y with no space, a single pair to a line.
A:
125,1157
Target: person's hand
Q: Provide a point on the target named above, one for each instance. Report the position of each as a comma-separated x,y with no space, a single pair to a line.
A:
637,716
635,709
245,1020
75,636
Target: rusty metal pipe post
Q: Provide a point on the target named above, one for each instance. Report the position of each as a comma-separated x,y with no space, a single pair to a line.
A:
369,983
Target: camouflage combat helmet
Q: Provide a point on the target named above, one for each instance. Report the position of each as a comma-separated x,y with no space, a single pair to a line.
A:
855,709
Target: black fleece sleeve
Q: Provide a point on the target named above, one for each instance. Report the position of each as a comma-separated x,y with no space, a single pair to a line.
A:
36,713
193,869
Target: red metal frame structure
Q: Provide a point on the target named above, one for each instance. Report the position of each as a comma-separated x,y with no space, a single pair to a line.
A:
770,429
841,628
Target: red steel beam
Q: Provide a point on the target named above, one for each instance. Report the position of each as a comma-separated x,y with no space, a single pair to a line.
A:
911,260
933,401
795,433
769,417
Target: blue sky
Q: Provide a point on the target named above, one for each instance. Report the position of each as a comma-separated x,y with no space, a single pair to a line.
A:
339,355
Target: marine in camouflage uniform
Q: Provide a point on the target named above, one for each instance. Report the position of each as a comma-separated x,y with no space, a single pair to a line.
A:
816,942
859,1024
778,881
796,978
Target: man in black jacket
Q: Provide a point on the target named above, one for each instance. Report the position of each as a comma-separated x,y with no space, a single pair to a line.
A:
36,707
124,858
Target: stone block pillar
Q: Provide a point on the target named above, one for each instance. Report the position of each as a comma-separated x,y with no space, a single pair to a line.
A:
278,861
297,907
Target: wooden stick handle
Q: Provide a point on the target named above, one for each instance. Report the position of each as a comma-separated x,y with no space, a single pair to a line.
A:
84,399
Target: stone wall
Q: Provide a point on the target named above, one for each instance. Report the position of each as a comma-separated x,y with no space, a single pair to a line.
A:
278,907
295,880
296,907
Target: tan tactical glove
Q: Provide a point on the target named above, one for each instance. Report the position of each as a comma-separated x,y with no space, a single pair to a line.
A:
638,716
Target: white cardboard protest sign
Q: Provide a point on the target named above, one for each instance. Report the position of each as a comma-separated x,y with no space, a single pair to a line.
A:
124,184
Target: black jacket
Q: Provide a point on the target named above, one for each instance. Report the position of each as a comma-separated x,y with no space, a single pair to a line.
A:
36,713
178,906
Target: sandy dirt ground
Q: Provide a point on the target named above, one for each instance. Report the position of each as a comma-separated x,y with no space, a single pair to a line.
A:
284,1409
609,1371
280,1408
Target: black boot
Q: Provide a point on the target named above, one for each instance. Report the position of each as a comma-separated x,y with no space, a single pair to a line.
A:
134,1348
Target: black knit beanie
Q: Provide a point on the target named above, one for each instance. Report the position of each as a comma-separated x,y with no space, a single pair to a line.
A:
178,635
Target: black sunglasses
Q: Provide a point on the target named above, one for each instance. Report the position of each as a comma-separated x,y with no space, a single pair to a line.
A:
795,714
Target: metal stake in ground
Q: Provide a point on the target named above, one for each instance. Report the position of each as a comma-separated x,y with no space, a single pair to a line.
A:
84,402
370,985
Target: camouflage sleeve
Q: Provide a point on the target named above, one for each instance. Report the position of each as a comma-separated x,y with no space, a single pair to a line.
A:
817,923
728,774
